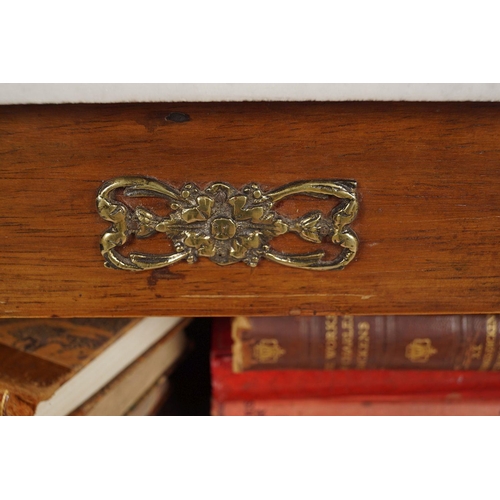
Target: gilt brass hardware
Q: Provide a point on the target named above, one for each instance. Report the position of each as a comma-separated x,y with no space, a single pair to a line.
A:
225,224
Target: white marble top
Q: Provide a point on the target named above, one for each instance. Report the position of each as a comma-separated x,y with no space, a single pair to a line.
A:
45,93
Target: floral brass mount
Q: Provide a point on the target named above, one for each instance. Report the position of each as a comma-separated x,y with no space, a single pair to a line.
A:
225,224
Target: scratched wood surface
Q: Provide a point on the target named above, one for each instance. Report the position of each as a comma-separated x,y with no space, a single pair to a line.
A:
429,222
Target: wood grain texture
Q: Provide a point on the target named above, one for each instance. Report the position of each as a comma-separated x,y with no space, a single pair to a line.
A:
428,177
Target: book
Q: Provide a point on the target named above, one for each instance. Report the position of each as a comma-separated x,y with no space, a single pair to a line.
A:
152,401
466,405
445,342
289,384
125,390
51,366
315,383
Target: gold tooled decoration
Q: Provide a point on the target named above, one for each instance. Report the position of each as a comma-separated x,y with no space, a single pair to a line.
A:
420,350
267,351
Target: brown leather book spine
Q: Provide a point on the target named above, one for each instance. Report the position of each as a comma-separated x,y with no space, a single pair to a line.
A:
459,342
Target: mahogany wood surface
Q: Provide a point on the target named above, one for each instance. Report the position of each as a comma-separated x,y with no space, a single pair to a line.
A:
429,222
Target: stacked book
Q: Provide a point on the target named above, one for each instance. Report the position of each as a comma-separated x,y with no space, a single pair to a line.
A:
356,365
93,366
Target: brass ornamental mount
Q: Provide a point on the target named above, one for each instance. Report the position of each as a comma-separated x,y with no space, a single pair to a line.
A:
225,224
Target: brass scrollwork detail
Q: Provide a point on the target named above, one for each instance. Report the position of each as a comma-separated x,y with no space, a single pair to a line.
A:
225,224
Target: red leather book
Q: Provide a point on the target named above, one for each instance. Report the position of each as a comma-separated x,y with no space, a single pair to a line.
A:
289,384
395,406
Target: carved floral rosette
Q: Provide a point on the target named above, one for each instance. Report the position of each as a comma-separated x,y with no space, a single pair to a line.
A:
225,224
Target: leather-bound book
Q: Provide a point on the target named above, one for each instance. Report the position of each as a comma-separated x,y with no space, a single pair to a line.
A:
52,366
137,380
453,342
463,405
290,384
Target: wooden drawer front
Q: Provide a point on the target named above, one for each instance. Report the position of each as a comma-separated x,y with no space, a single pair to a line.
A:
428,178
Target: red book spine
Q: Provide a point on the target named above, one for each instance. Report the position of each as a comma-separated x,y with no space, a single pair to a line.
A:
349,407
227,386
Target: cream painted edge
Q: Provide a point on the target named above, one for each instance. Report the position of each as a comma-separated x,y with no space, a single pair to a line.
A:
60,93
